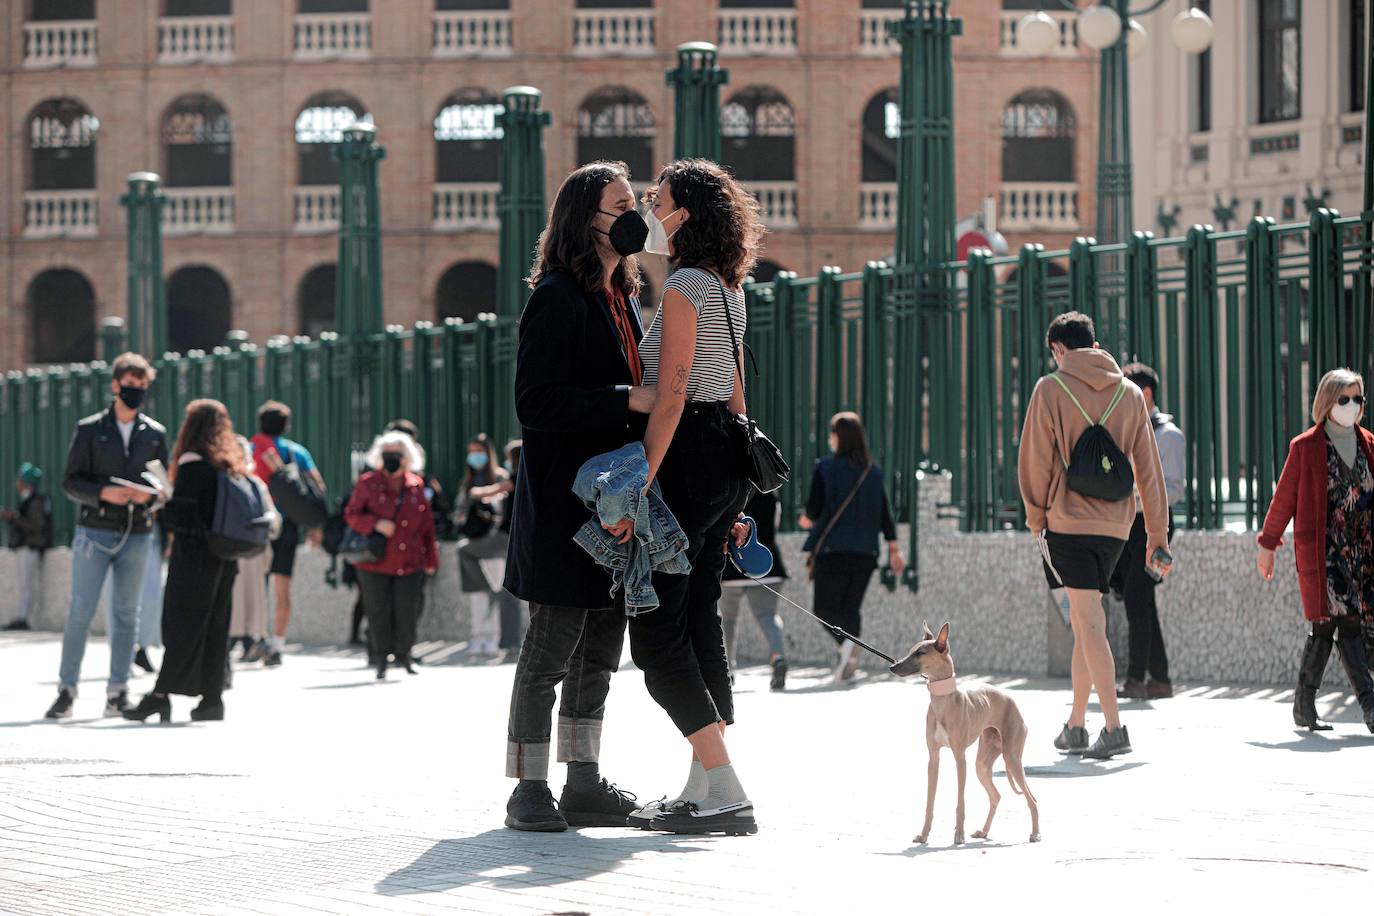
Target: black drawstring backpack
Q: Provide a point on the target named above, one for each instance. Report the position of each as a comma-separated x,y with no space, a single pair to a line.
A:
1097,468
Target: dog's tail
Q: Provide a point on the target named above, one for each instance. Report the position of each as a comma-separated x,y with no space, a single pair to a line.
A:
1011,756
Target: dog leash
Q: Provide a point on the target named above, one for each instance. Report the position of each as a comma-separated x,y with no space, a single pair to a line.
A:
834,630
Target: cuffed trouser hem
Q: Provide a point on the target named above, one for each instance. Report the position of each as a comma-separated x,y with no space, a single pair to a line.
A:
579,740
527,761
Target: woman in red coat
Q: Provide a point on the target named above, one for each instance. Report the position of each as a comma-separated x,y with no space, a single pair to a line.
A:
1327,491
390,500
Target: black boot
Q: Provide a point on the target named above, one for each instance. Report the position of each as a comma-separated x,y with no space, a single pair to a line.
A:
1314,655
152,704
1357,670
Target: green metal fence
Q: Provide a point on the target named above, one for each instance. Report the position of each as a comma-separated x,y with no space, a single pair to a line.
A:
453,381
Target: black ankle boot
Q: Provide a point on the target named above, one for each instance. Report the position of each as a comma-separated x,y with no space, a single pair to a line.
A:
1357,671
1314,655
211,709
152,704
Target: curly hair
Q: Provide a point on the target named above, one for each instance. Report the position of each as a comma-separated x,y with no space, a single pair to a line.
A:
568,242
208,431
723,231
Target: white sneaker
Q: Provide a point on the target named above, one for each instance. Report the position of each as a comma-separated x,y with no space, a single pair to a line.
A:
849,661
641,816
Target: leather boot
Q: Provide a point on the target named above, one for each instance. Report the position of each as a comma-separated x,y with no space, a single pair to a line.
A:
1357,670
1314,655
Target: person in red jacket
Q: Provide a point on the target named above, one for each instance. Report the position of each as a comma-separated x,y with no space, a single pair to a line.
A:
390,500
1327,490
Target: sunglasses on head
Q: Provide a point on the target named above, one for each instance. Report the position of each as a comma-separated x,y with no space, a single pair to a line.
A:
1347,398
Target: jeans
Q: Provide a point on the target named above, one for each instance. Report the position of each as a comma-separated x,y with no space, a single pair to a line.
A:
472,578
30,570
94,555
150,601
841,580
1145,639
764,604
393,604
580,649
680,646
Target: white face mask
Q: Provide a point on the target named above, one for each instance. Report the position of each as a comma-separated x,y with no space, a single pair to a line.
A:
657,242
1346,415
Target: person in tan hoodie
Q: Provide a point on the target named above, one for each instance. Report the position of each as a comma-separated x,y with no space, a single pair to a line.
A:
1080,537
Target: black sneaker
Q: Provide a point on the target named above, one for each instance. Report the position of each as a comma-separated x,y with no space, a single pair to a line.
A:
1072,739
531,807
779,679
62,707
735,819
604,806
116,704
17,625
1109,744
272,659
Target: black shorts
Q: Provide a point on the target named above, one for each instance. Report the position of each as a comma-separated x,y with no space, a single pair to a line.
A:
1084,561
284,549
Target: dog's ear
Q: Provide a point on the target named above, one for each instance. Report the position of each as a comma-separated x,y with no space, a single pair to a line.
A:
942,641
925,631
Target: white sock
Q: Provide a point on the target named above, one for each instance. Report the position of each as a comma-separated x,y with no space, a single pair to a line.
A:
697,784
278,643
725,788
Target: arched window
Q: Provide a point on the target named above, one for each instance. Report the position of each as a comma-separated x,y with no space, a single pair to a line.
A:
467,138
881,127
759,135
199,309
616,123
61,306
62,137
198,144
320,124
1037,137
765,271
466,290
315,300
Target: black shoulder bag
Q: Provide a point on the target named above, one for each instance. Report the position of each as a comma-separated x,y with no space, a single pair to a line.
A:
761,461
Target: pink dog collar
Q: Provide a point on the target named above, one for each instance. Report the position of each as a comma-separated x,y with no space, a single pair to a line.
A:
943,687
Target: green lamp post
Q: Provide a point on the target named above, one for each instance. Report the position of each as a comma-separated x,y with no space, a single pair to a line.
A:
521,201
696,82
358,293
147,299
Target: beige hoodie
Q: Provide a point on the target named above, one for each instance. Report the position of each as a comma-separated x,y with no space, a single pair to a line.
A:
1053,425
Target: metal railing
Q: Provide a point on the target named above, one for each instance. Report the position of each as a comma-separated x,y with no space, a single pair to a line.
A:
478,33
195,39
65,43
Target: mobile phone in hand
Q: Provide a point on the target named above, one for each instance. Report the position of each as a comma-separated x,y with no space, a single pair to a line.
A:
1163,558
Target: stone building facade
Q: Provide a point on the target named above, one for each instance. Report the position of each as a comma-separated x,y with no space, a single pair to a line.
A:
231,103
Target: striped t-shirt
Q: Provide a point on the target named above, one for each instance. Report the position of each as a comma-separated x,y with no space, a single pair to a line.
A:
712,376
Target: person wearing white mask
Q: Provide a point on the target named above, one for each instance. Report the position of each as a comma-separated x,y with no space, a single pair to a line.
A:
1327,491
484,539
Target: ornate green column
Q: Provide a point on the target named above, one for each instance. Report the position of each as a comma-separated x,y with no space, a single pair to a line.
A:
521,201
696,82
1114,185
147,299
111,338
358,288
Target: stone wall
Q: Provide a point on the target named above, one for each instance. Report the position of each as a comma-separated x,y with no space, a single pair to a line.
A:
1222,624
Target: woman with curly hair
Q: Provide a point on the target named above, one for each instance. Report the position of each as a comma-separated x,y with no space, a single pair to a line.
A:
709,227
197,600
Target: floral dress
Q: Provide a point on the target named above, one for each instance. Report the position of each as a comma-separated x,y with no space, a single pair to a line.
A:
1350,537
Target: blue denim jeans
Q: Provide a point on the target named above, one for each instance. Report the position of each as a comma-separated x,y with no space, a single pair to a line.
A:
150,597
95,554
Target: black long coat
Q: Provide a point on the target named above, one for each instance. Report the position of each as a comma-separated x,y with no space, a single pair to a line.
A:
572,399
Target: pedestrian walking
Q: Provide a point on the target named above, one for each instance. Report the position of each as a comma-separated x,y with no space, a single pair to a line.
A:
736,587
248,603
150,597
1086,447
846,510
113,527
709,227
272,450
578,379
1327,491
486,536
197,601
30,533
390,500
1147,654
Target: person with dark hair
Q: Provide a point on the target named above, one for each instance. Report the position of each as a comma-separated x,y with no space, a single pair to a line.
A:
578,379
846,510
271,450
112,529
1130,580
486,536
708,225
30,534
1081,535
197,601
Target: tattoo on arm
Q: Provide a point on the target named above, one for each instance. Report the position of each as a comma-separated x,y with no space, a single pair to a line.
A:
680,380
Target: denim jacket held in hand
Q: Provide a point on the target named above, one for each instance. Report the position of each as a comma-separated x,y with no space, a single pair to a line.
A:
612,486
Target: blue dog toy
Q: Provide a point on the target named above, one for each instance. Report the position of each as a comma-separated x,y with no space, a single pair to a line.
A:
752,559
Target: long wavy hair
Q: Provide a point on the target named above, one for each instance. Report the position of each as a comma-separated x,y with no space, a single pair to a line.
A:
208,431
568,242
723,231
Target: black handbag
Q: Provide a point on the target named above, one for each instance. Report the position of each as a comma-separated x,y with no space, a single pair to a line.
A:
357,548
760,460
297,497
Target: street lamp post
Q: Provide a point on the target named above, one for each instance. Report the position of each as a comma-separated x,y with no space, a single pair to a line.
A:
1107,26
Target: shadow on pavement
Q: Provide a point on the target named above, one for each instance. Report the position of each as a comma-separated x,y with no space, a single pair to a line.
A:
513,860
924,849
1071,768
1315,743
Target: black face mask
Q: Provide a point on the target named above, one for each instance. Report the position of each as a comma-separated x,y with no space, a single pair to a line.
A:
131,396
628,232
391,462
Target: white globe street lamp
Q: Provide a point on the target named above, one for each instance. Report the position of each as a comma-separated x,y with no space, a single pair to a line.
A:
1192,30
1099,27
1037,34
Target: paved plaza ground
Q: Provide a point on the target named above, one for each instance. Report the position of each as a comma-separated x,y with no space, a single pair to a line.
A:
324,792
